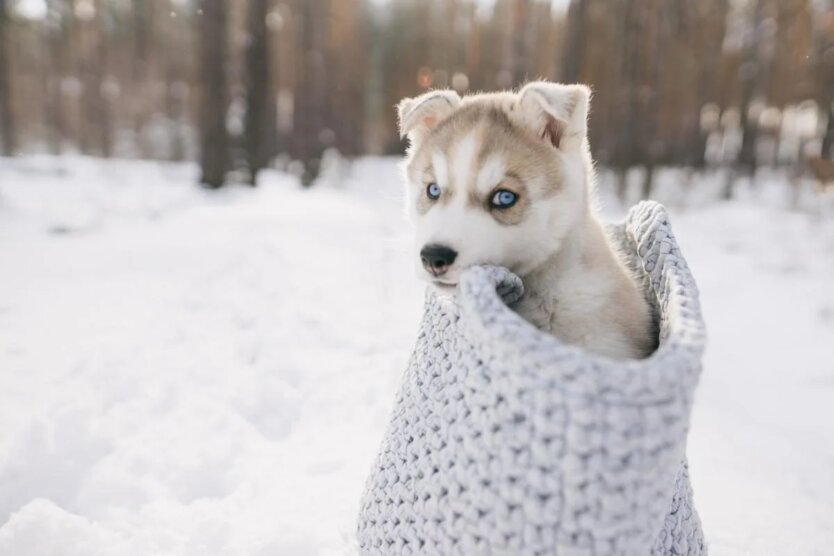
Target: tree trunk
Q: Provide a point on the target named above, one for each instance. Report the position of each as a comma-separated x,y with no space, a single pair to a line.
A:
824,65
176,84
7,123
574,46
309,119
105,89
828,138
518,56
58,41
93,122
143,41
175,92
214,137
650,106
258,94
751,74
712,31
631,145
473,48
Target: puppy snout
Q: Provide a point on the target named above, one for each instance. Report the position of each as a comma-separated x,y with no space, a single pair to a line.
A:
437,258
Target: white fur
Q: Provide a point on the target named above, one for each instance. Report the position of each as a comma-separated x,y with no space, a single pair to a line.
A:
463,159
492,172
441,168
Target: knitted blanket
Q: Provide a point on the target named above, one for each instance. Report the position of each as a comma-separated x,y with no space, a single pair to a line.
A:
503,440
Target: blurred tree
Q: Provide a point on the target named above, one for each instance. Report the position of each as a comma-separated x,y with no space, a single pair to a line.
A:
95,121
259,117
473,46
708,28
632,140
7,122
310,133
58,43
661,18
144,68
347,59
517,59
214,140
176,77
573,50
824,71
752,78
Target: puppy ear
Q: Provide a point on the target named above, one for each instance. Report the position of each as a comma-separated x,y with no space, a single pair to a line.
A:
557,113
419,115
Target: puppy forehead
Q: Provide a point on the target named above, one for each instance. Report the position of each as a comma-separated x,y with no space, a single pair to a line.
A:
471,148
449,160
463,158
491,171
440,166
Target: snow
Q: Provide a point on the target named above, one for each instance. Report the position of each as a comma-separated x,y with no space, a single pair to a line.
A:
185,372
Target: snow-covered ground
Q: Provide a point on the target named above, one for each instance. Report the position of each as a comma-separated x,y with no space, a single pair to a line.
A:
193,373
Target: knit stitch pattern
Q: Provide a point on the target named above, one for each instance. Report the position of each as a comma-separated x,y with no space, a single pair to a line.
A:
504,440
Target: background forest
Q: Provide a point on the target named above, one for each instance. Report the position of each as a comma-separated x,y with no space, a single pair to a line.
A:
244,84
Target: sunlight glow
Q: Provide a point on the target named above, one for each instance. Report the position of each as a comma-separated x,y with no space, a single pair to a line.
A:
31,9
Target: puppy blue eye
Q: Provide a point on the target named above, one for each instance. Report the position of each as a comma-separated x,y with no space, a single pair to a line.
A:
504,199
433,191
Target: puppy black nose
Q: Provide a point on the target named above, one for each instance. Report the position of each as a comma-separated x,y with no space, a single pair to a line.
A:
437,258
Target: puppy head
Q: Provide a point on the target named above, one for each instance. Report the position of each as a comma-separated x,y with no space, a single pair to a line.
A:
494,178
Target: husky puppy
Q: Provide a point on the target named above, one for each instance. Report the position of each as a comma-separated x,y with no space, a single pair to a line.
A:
506,179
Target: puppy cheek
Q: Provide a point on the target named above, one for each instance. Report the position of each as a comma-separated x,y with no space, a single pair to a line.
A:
507,249
530,247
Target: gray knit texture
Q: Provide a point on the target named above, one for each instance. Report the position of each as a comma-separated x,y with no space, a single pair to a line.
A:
504,440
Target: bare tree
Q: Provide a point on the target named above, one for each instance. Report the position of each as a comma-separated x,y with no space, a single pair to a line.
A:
310,133
828,137
517,59
176,87
630,150
573,50
214,137
348,73
59,47
709,30
662,16
142,77
90,36
258,116
824,70
752,74
7,123
473,47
